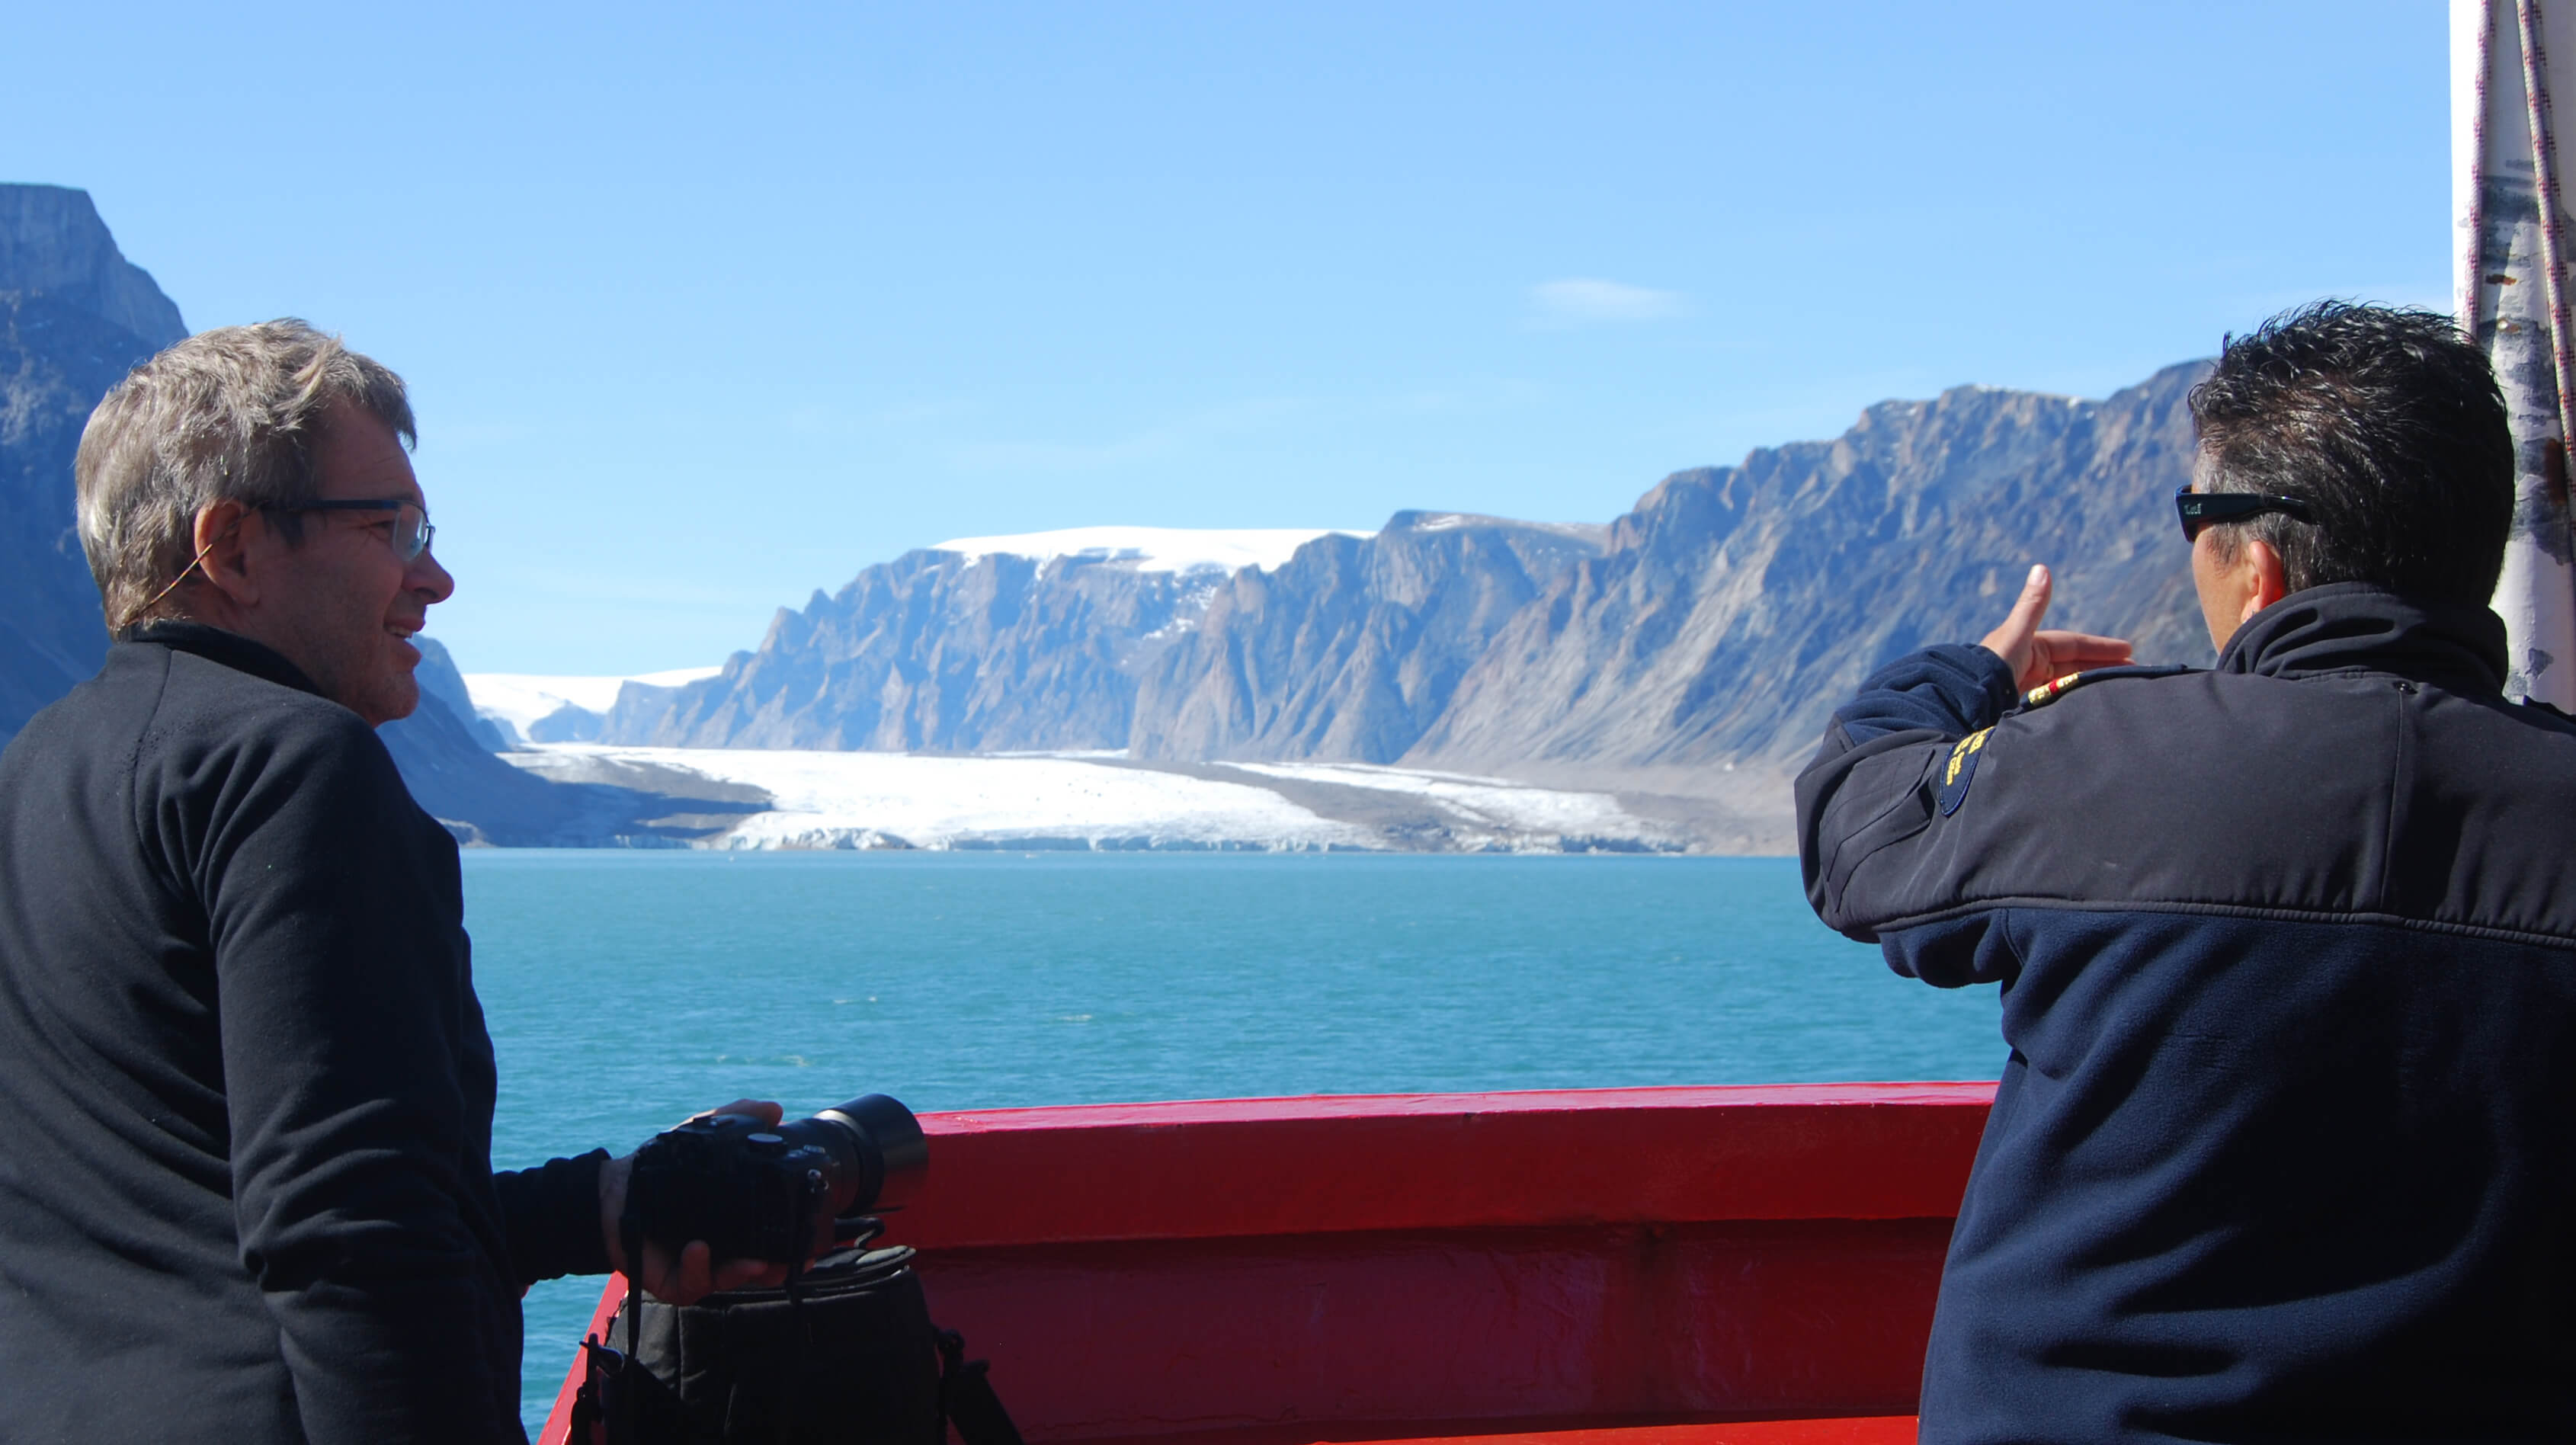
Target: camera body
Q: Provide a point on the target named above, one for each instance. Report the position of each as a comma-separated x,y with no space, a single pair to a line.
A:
754,1190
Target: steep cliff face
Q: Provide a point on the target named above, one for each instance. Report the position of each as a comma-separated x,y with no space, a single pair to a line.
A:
75,316
939,651
1737,606
1345,651
1351,650
53,244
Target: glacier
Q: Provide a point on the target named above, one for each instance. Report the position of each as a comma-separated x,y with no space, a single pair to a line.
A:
1106,802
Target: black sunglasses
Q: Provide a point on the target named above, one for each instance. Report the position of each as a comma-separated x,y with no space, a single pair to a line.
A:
409,540
2199,509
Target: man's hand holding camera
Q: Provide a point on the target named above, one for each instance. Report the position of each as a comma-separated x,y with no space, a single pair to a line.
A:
736,1198
693,1272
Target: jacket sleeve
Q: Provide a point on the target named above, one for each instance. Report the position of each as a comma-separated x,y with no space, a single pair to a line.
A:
551,1214
354,1065
1875,785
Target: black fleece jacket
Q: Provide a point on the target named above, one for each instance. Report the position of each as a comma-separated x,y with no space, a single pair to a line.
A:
2285,1148
246,1190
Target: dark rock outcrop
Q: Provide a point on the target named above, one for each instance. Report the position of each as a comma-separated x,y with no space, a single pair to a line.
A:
439,679
456,780
482,799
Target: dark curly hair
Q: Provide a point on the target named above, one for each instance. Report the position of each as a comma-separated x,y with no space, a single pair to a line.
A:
2387,422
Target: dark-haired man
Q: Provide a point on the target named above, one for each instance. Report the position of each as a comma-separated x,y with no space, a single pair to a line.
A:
2288,946
246,1190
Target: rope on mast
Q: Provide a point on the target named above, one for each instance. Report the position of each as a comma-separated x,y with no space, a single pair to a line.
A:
2473,285
2553,241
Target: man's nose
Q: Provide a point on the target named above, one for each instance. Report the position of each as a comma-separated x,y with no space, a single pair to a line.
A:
427,576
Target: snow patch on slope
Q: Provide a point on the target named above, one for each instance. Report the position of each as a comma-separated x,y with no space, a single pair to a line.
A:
1153,549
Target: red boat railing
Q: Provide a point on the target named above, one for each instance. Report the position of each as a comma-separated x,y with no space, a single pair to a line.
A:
1417,1265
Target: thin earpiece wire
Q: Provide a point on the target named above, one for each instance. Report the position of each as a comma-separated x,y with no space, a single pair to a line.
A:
135,615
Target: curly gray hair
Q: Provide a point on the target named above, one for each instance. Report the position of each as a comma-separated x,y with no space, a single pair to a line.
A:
226,415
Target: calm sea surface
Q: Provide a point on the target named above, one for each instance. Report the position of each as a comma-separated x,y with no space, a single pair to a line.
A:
625,990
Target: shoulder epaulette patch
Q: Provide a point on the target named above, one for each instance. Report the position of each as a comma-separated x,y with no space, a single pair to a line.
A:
2051,691
2047,692
1961,770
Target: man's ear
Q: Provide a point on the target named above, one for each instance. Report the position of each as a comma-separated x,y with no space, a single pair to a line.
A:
2271,582
222,559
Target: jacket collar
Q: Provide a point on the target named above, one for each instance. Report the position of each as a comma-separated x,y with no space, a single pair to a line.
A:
2355,626
231,649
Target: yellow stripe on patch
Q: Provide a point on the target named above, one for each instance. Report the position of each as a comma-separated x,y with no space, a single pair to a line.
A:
1972,743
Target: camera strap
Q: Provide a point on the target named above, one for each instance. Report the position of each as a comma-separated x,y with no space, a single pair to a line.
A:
624,1395
815,1191
966,1396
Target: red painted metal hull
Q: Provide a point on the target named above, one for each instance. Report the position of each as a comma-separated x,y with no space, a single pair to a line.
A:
1732,1266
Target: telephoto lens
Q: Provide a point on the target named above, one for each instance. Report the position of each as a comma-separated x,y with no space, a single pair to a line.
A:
879,1148
753,1190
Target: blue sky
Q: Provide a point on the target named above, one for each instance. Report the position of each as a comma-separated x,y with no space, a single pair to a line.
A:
704,308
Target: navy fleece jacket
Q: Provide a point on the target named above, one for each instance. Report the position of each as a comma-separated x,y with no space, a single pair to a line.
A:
245,1187
2285,1146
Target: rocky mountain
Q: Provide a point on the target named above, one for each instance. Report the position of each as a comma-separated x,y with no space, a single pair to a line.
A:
1736,606
1027,645
1354,648
75,316
1345,648
1684,656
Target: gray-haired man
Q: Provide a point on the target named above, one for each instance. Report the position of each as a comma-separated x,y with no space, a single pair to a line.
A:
246,1189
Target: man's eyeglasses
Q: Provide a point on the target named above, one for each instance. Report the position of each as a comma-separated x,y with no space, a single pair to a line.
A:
2200,509
411,529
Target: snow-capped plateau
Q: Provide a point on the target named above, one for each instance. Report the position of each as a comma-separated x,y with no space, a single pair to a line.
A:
1153,549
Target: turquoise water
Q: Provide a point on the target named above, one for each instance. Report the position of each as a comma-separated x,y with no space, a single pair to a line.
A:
625,990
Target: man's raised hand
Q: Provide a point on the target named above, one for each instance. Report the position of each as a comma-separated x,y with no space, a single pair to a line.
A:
2036,656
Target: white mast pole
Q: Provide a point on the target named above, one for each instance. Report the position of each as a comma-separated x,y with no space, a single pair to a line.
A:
2510,289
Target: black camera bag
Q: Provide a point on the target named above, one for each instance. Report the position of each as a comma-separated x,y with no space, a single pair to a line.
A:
846,1355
